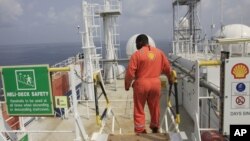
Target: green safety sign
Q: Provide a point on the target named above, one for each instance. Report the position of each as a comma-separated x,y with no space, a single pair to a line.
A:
27,90
25,138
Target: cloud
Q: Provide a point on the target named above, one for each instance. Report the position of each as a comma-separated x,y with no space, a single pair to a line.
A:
70,15
237,13
154,17
146,16
143,8
10,10
52,15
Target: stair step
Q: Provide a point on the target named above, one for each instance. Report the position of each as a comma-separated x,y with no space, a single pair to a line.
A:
139,137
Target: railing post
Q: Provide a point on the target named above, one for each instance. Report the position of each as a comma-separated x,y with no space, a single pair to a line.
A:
224,56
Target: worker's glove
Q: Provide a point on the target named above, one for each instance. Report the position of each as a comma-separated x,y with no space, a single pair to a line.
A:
173,77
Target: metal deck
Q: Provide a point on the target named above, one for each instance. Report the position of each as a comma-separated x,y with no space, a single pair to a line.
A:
140,137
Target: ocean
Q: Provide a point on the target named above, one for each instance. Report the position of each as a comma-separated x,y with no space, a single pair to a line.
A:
52,53
31,54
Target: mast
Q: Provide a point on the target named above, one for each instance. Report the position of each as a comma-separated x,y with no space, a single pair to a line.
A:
91,26
186,28
88,66
110,13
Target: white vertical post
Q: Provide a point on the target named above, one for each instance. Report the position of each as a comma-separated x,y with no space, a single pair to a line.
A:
2,127
2,137
206,50
111,10
182,47
78,124
66,115
174,49
166,122
197,100
230,49
21,123
115,74
87,108
88,66
244,49
177,47
74,99
195,50
177,28
113,124
107,21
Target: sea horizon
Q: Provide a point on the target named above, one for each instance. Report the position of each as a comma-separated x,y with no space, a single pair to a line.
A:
52,53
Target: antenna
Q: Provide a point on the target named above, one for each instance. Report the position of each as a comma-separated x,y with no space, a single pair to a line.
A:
78,28
221,13
221,18
212,27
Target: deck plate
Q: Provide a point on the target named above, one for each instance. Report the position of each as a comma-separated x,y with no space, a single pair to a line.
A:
140,137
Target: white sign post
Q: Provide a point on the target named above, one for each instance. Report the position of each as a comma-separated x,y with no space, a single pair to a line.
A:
237,93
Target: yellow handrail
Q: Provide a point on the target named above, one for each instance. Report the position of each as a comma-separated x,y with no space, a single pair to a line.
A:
209,63
59,69
173,78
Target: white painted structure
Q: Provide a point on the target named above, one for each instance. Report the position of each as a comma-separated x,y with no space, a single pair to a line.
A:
110,12
199,85
91,59
235,31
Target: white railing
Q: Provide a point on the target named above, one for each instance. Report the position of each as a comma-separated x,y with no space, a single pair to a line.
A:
111,5
65,62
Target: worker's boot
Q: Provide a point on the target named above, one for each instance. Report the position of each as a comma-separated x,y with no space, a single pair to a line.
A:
142,132
155,130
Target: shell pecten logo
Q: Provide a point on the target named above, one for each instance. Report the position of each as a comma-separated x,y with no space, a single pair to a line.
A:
240,71
151,56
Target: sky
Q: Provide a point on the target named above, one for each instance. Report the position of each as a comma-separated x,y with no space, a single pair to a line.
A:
53,21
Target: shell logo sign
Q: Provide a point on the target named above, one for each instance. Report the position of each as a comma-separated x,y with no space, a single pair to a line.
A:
151,56
240,71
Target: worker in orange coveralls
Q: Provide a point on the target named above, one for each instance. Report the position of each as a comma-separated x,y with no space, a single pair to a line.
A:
145,67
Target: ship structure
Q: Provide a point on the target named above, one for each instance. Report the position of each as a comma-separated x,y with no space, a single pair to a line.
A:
83,98
208,87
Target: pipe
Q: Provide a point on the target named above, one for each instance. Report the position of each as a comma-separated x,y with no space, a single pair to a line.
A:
203,83
209,63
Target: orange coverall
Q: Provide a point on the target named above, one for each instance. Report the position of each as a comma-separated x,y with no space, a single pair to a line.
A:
145,67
